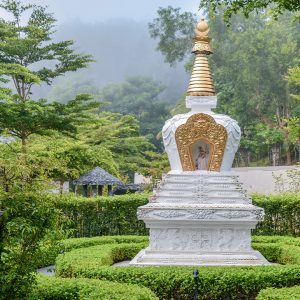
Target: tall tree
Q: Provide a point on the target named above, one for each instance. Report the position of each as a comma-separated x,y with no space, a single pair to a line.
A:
29,57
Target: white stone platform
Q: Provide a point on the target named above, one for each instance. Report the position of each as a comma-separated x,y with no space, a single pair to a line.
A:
200,218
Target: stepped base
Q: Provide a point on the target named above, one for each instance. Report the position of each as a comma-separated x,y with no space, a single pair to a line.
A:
200,219
147,257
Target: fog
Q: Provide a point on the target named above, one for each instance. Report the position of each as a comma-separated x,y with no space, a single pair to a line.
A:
116,34
121,48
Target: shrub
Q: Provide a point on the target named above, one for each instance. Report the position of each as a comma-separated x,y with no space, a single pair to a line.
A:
80,288
76,243
30,223
291,293
103,215
282,214
177,282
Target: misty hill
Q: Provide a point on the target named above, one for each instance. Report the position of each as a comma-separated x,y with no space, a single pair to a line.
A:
121,48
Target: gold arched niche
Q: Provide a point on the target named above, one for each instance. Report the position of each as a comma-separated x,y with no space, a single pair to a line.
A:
201,127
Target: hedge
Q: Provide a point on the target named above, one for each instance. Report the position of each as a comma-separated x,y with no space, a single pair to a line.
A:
103,215
117,215
282,214
49,288
291,293
177,282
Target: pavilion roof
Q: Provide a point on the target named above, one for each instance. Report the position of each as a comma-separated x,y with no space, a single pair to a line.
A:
97,176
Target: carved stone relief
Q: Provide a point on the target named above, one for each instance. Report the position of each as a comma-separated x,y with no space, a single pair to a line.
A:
216,240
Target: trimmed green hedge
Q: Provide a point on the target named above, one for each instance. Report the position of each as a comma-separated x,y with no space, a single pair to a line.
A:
282,214
117,215
76,243
177,282
103,215
49,288
292,293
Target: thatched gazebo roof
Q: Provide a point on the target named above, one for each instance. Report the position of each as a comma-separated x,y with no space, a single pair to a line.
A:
97,176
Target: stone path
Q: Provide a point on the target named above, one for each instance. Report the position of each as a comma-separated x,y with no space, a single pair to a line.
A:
48,271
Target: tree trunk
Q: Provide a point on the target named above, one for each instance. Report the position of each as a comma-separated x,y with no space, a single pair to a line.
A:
288,156
24,145
61,186
287,148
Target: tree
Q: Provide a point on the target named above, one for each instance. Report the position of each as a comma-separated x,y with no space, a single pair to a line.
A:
66,158
24,45
293,79
232,7
120,134
140,97
174,29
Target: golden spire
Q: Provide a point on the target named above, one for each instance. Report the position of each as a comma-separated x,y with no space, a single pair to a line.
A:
201,83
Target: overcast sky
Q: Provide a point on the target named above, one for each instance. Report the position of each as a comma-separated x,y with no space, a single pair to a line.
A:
103,10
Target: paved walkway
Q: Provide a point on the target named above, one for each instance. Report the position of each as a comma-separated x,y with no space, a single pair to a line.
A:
48,271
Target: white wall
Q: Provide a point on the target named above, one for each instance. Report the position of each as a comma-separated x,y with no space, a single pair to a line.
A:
261,179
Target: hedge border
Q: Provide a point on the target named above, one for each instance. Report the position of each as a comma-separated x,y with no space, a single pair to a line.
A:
290,293
116,215
177,282
81,288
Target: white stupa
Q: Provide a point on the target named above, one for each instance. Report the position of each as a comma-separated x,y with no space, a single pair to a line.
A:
200,214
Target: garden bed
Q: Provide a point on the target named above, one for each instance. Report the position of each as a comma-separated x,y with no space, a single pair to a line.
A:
94,257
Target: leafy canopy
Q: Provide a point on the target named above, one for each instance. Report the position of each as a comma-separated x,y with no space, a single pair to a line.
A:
29,57
233,7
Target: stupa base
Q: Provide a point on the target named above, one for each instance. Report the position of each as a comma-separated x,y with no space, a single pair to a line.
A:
147,257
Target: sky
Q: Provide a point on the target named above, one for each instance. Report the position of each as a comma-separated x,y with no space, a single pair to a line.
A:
102,10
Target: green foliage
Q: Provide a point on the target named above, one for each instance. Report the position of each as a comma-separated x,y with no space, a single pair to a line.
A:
290,293
174,29
23,44
26,41
23,118
76,243
70,157
247,6
139,96
156,165
103,215
119,134
281,214
30,223
84,289
293,78
177,282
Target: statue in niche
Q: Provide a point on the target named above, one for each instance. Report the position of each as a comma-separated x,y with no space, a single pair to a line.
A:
201,155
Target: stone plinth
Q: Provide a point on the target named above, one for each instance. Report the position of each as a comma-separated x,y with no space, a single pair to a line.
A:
200,218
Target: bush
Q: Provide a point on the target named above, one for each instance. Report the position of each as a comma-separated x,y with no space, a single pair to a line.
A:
282,214
292,293
103,215
177,282
48,288
76,243
30,223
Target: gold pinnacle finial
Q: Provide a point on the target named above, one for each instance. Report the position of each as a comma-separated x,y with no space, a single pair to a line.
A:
201,83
